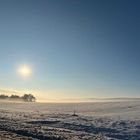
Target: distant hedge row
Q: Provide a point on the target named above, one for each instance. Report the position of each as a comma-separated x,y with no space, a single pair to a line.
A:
25,97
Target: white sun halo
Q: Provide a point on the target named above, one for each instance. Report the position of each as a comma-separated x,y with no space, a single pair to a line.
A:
24,70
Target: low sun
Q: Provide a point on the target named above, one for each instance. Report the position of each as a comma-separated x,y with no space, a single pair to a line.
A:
24,70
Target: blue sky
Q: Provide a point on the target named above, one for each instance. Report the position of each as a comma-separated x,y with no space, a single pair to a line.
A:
77,49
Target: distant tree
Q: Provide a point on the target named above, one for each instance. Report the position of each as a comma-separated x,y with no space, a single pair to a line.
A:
2,96
14,97
29,98
25,97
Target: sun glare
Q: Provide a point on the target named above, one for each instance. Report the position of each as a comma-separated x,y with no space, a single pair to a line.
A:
25,70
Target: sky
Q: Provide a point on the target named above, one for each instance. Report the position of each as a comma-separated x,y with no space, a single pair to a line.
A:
76,48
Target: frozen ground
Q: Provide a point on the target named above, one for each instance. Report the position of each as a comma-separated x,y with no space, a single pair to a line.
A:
116,120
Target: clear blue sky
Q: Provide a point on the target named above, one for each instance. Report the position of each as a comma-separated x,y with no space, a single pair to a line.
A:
77,48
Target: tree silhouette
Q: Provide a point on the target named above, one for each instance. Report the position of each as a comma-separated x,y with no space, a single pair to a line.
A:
29,98
25,97
2,96
14,97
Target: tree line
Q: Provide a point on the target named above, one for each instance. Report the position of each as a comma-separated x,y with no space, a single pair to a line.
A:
25,97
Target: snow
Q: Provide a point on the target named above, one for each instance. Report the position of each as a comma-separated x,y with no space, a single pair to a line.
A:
116,120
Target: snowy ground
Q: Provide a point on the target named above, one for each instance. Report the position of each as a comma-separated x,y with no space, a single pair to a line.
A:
116,120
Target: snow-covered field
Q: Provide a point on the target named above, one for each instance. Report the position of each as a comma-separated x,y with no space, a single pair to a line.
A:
116,120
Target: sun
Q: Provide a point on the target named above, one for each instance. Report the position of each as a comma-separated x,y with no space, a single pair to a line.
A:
24,70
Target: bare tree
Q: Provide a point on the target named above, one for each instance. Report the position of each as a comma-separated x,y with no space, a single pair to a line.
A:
29,98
